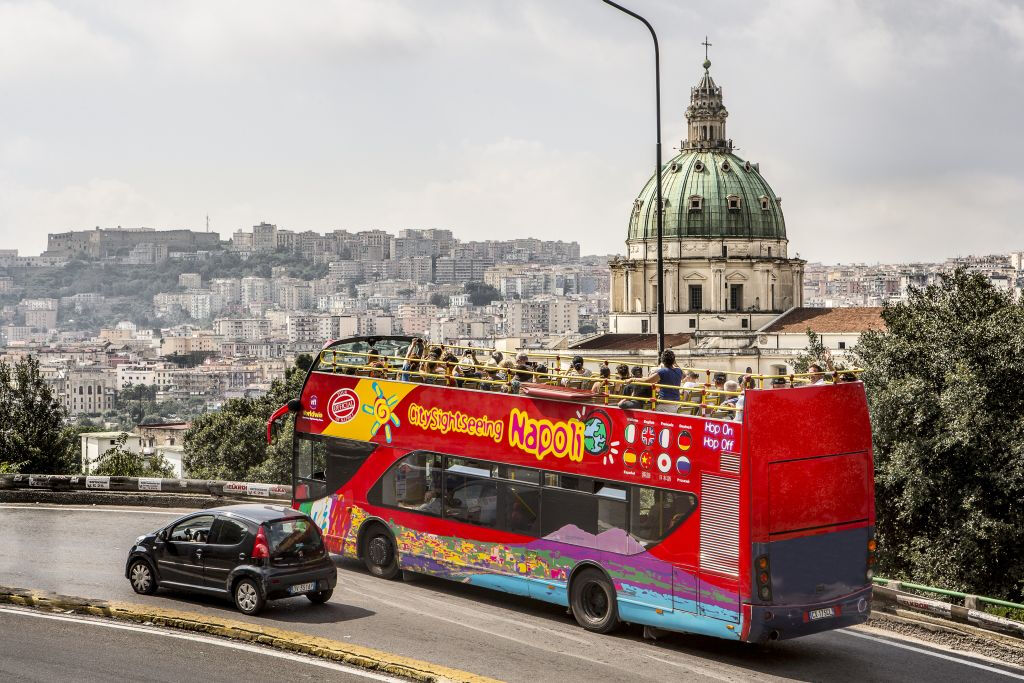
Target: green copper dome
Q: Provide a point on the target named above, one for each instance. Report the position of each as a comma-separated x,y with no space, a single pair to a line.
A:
709,194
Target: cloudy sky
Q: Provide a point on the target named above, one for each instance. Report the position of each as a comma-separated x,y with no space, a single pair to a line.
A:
891,130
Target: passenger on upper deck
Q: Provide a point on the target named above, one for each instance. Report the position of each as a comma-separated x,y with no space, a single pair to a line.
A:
524,367
603,384
778,382
376,365
639,390
413,357
815,374
671,376
576,373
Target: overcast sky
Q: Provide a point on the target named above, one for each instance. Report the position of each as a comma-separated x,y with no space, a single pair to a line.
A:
891,129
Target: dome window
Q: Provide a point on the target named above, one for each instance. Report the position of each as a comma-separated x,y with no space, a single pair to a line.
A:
696,202
636,207
725,166
674,168
747,166
765,203
699,167
733,202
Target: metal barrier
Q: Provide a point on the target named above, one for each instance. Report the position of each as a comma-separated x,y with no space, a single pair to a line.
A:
889,593
82,482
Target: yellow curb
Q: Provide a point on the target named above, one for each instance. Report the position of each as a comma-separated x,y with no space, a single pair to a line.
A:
353,655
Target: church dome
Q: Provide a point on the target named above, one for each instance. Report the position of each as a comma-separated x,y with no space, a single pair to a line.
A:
707,191
709,194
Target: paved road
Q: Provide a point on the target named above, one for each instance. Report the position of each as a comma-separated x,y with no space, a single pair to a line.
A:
81,551
45,647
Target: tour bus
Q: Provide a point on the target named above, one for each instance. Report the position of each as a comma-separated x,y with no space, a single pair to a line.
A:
754,525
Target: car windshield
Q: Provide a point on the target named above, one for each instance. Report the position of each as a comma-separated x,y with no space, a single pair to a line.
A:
290,536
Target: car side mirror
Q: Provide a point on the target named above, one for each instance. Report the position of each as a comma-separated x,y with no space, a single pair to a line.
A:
162,535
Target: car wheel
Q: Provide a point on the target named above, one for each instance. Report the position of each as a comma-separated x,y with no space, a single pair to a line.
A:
320,597
593,603
248,598
379,553
141,577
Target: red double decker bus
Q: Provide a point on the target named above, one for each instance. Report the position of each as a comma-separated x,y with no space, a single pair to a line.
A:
748,529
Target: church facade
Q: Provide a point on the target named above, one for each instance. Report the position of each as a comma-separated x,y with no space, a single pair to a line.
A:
725,252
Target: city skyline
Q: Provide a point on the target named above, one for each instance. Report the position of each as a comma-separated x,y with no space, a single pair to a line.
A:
459,117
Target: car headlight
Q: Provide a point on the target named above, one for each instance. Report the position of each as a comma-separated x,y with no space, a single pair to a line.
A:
139,539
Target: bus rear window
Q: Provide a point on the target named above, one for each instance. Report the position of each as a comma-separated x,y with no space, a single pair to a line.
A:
288,537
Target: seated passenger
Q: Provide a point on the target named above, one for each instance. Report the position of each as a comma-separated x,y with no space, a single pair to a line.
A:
603,384
449,361
621,378
375,365
524,368
714,398
728,401
540,373
778,382
815,374
576,374
639,391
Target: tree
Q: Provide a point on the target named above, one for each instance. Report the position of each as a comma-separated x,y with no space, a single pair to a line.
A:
118,461
231,443
947,406
303,361
34,433
481,293
439,300
816,354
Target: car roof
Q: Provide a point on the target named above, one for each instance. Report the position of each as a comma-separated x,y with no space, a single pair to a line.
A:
257,512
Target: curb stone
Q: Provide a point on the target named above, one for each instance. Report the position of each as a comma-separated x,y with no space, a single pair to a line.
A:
346,653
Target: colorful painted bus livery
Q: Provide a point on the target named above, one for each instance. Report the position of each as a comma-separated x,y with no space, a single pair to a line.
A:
749,530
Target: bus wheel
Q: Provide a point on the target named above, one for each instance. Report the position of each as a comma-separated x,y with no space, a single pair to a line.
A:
379,553
592,600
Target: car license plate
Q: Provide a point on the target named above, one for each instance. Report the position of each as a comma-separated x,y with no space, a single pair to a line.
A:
821,613
302,587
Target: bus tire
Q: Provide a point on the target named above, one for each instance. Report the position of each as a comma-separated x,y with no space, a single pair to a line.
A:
379,553
592,601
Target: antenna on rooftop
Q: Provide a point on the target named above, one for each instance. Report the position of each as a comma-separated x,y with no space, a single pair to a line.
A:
207,222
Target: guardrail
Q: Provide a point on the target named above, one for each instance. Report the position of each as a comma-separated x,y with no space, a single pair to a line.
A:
82,482
889,593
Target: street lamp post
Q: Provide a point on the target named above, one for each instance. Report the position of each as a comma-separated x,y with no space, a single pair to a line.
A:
657,170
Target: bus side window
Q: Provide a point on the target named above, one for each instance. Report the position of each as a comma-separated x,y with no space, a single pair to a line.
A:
520,509
654,513
412,483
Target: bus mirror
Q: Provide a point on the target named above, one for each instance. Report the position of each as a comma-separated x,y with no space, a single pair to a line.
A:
294,405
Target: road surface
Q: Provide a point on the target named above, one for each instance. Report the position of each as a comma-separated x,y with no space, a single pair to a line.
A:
81,551
44,647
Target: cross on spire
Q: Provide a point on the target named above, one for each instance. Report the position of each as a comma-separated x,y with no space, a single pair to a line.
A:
706,45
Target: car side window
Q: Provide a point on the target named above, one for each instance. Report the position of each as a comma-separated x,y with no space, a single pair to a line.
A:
230,532
192,530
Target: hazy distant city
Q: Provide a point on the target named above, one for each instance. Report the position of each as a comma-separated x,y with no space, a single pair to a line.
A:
199,319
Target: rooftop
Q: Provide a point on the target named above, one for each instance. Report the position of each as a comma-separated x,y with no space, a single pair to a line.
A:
831,320
630,342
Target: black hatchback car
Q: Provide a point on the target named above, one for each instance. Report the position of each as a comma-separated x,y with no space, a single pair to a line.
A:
250,553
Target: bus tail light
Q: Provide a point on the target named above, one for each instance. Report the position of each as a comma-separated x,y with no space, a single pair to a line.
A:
260,549
871,559
764,578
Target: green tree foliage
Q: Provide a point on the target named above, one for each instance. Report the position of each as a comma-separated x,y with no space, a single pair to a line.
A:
118,461
947,406
816,354
231,443
439,299
481,293
34,435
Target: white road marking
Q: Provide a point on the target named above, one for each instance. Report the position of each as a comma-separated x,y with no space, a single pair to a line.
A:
65,508
362,673
923,651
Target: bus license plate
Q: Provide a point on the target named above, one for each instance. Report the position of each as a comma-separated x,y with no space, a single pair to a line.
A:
307,587
821,613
